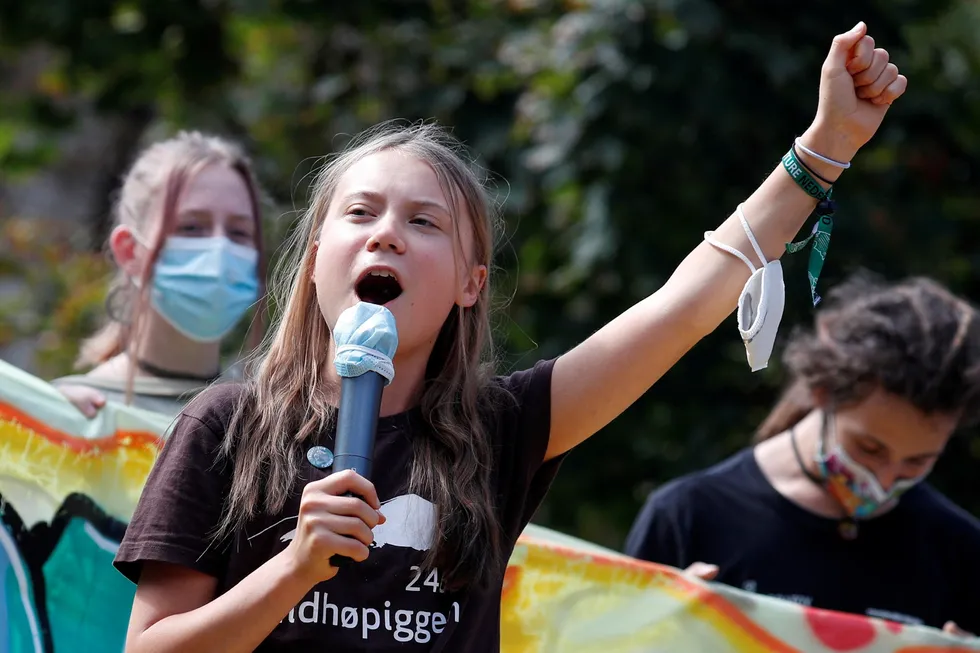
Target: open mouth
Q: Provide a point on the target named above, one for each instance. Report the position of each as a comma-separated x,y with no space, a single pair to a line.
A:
378,287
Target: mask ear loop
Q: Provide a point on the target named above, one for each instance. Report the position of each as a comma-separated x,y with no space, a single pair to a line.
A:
847,526
709,237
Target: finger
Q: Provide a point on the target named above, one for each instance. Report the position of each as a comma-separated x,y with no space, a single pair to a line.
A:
702,570
888,75
861,55
349,547
348,527
951,628
893,91
348,481
840,49
316,500
326,504
98,400
879,61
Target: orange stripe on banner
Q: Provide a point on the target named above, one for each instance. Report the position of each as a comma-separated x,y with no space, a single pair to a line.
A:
705,597
118,440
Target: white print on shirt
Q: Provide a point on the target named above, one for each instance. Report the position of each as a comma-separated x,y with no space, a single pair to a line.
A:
404,625
410,522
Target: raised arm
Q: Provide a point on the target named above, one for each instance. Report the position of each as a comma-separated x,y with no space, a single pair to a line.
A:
597,380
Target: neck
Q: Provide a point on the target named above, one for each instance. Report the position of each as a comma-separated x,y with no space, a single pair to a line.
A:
807,433
782,469
165,348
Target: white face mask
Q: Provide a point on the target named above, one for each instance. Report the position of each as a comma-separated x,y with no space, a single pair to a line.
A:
760,306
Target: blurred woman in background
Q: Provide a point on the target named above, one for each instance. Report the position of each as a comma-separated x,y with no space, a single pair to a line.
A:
187,242
830,507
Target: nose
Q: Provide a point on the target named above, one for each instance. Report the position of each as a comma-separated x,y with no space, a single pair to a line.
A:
386,236
887,475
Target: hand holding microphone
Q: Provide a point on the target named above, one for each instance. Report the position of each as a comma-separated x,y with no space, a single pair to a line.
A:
366,338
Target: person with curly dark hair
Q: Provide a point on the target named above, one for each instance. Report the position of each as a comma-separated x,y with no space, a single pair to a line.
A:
829,507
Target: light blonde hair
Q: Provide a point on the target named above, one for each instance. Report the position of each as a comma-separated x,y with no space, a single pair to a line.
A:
149,195
288,400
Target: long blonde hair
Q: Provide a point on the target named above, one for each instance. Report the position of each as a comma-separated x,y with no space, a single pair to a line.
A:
287,401
157,179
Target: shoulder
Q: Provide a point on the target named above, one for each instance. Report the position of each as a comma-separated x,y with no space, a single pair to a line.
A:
198,432
520,400
718,480
943,515
526,381
215,405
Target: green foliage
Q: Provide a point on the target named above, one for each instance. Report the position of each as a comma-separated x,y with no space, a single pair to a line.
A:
51,290
620,130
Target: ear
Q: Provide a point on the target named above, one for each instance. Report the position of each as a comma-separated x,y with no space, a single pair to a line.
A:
126,251
472,286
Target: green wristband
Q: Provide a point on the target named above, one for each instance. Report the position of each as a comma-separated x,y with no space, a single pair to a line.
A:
820,237
802,178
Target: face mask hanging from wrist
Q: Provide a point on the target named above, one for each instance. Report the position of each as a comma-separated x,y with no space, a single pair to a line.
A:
203,286
760,306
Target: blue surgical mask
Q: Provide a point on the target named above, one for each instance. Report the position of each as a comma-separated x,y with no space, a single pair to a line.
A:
203,286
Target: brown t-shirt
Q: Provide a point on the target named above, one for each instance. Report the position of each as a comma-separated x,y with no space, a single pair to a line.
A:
385,603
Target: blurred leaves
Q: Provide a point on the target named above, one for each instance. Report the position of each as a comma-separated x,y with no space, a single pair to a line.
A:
50,290
619,131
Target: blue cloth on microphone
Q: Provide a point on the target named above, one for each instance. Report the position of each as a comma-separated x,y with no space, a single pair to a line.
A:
366,339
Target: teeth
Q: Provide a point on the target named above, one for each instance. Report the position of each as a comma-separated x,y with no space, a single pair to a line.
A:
380,273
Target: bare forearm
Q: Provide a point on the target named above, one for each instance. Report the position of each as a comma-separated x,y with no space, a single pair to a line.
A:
701,293
238,620
711,280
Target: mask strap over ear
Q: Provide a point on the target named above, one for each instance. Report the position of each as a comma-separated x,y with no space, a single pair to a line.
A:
709,236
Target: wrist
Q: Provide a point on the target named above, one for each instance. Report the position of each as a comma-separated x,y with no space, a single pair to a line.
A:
829,143
291,571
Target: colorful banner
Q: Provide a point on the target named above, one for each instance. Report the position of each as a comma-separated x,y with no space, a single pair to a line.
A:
69,485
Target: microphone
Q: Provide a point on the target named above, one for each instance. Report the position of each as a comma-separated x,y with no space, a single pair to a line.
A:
366,339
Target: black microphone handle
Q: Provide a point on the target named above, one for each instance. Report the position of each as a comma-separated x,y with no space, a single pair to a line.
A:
357,424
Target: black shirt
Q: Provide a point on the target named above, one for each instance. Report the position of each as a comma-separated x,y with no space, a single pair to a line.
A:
387,603
917,564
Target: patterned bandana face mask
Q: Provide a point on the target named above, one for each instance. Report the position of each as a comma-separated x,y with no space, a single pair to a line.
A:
853,485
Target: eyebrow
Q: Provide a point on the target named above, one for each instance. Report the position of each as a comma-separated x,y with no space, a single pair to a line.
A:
373,196
208,214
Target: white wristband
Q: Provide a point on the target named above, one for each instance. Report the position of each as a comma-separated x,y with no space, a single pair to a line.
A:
820,157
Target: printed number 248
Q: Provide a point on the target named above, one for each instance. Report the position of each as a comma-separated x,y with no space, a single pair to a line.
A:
432,580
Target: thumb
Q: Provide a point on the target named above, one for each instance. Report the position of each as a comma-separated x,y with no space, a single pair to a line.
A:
840,49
